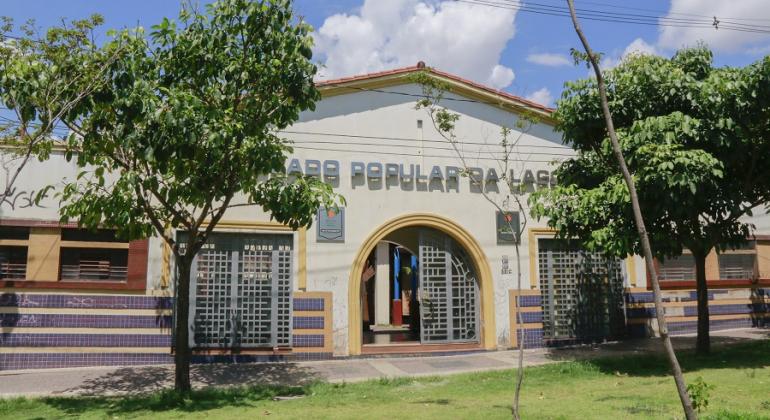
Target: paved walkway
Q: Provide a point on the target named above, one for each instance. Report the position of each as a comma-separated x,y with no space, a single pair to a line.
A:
124,380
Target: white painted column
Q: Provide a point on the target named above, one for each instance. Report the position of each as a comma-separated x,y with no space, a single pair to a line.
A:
382,285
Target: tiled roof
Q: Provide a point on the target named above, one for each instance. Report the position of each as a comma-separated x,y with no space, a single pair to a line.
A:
421,67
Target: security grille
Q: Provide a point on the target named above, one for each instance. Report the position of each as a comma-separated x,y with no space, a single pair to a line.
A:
448,291
582,292
737,266
677,268
241,292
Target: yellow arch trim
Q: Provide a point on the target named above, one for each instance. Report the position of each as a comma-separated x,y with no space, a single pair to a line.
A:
488,331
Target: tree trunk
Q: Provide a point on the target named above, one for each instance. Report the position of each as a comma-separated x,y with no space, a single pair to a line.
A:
519,322
703,344
676,370
182,352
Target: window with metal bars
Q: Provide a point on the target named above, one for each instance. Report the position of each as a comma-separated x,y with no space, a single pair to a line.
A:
241,291
739,263
13,252
13,262
681,268
582,292
94,264
97,255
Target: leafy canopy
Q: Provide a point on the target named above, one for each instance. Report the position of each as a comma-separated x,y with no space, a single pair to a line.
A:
695,138
42,78
188,117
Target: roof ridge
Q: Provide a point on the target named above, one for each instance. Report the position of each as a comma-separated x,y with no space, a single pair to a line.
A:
421,67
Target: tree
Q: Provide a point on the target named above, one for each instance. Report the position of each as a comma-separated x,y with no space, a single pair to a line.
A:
694,136
185,124
444,121
604,129
42,78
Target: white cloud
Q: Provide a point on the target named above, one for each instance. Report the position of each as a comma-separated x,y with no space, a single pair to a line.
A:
640,46
542,96
550,60
755,12
501,76
460,38
637,46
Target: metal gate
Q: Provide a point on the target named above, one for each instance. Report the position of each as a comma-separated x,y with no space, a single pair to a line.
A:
240,292
448,291
582,292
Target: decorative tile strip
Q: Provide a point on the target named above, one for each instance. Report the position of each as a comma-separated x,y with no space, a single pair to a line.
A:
13,361
530,300
531,317
308,322
715,325
26,300
308,304
84,340
312,356
84,321
531,338
694,295
308,340
639,297
640,312
720,309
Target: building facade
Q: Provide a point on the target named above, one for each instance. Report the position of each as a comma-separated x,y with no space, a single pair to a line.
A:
417,260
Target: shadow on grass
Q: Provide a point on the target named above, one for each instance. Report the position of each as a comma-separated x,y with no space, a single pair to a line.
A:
169,400
748,355
145,379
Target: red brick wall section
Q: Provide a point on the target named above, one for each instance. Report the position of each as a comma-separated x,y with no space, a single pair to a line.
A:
137,263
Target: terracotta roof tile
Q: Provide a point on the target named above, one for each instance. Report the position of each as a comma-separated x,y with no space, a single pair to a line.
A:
410,69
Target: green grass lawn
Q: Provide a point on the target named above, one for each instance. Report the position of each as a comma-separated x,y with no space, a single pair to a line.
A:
611,388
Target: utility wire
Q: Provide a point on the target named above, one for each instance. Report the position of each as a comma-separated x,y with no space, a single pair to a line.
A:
409,139
615,6
415,146
369,152
708,21
635,19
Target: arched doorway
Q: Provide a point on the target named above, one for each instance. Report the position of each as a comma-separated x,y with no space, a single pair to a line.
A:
439,235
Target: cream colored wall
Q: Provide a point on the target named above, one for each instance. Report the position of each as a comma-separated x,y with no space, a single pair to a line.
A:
378,116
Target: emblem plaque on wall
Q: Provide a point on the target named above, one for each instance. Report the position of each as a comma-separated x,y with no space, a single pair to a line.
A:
504,222
331,224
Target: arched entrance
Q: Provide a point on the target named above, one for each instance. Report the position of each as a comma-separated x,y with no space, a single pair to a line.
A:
460,236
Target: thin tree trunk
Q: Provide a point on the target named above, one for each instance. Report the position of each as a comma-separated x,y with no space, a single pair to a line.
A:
639,219
703,343
181,330
519,321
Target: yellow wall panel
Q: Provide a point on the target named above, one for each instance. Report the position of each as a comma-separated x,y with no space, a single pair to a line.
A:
763,259
712,266
43,254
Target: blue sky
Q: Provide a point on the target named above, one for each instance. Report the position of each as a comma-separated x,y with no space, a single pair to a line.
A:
521,52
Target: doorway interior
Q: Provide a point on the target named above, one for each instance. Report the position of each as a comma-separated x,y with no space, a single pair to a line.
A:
419,287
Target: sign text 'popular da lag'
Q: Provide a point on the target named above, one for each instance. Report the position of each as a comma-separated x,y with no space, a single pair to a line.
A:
408,173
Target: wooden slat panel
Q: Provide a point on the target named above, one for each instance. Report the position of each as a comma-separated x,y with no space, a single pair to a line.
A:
43,254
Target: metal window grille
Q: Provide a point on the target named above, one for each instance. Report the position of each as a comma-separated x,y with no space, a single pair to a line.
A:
13,262
582,292
737,266
241,291
678,268
448,291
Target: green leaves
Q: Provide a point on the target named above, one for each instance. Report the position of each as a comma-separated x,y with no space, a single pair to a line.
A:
186,119
693,137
